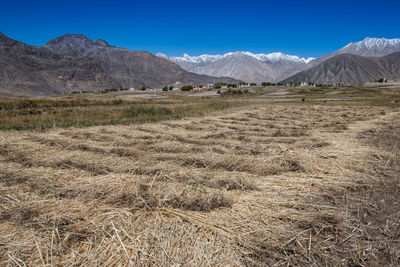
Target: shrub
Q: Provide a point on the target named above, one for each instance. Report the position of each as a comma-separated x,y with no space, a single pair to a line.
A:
109,90
165,88
117,101
232,92
186,87
143,88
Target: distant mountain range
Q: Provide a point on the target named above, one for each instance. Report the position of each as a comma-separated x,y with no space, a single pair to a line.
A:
277,67
244,66
74,62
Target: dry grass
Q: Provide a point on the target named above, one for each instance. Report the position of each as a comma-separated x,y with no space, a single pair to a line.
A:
263,185
27,114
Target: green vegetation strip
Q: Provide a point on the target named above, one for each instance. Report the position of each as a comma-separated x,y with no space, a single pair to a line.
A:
29,114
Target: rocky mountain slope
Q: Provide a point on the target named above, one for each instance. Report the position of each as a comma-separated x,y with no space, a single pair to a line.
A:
129,68
32,71
352,69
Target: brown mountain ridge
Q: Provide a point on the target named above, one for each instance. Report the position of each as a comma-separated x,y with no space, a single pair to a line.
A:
33,71
74,62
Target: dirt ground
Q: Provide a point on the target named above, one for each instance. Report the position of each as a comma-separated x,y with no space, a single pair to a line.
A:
270,184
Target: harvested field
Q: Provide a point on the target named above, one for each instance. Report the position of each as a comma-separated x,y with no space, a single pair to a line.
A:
268,184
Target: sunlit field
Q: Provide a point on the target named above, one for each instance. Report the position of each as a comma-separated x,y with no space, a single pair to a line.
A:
269,177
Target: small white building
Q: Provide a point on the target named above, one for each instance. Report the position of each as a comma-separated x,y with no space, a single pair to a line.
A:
304,84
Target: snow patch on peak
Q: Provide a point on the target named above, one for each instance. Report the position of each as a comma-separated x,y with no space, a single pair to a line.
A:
162,55
371,47
348,45
377,42
279,56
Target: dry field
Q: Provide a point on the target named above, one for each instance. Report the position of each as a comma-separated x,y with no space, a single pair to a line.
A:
269,184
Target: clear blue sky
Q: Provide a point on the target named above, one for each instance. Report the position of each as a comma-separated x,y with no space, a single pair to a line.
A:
304,27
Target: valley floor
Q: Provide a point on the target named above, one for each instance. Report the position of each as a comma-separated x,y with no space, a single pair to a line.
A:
268,184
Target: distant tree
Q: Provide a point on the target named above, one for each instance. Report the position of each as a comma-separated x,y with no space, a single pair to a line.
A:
266,84
232,85
165,88
186,88
170,88
381,80
218,85
253,84
143,88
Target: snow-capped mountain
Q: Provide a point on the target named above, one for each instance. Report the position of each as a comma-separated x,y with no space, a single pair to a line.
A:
351,69
199,59
275,67
242,65
369,60
272,57
196,59
371,47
